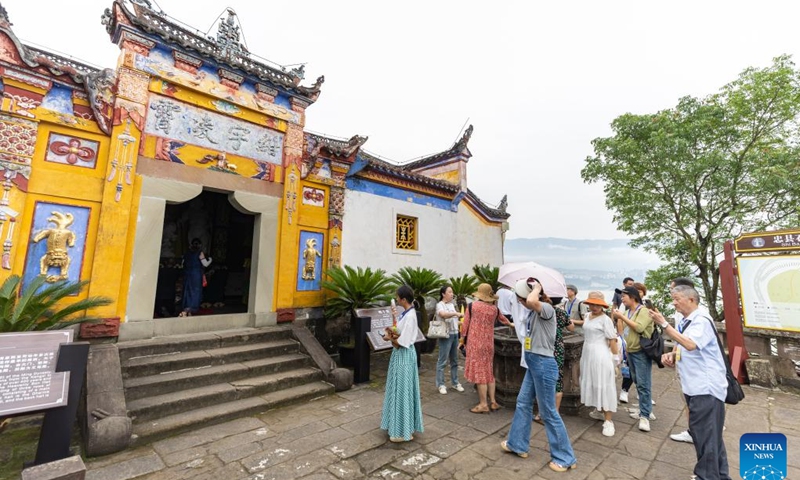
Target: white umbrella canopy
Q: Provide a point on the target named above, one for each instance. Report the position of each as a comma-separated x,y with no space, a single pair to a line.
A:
552,280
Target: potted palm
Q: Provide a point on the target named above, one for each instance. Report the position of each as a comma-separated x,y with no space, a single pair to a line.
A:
463,286
350,289
43,306
425,283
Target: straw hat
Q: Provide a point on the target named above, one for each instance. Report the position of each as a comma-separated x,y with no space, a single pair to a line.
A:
485,293
596,298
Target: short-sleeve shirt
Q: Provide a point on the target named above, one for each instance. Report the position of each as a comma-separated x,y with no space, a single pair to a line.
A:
506,301
451,322
702,370
573,308
541,327
644,328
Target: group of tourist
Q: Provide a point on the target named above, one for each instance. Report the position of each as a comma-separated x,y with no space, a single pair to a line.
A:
613,343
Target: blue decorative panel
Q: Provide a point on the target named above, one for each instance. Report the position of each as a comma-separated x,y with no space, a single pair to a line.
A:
309,261
375,188
58,99
56,225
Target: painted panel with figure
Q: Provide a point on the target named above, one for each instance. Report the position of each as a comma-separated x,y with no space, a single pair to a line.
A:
309,262
57,242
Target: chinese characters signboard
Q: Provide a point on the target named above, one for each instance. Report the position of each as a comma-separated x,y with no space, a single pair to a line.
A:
381,318
768,241
28,380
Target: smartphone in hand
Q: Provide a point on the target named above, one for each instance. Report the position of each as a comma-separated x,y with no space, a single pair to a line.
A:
649,304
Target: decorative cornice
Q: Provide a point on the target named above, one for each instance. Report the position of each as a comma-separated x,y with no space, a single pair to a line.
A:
137,39
186,58
231,76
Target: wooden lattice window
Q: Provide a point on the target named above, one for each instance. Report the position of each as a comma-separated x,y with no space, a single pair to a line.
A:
406,233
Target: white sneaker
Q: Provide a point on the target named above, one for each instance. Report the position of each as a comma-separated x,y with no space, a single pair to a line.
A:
623,396
634,413
443,390
653,402
644,424
684,436
608,428
597,415
458,387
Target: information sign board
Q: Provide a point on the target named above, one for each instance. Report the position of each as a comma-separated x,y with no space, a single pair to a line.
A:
770,289
779,240
381,318
28,380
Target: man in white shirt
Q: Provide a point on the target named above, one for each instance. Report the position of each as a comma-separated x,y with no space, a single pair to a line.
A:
699,360
506,301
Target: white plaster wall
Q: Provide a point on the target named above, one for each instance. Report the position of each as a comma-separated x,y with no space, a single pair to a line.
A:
449,242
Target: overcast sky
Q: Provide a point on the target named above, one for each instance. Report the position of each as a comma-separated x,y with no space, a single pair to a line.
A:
538,80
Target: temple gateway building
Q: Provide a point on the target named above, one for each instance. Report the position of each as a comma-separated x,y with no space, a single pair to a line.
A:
191,144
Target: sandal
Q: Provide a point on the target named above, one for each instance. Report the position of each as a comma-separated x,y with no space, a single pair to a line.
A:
479,409
538,420
495,406
504,446
561,468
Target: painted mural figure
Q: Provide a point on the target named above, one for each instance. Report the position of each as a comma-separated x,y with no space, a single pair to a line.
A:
310,255
59,239
193,263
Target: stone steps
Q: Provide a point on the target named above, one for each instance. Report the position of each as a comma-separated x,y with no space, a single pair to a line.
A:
157,406
149,431
174,384
175,361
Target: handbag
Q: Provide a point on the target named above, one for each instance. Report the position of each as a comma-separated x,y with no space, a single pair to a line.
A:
437,329
735,394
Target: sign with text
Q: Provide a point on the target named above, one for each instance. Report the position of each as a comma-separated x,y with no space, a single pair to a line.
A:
28,380
776,241
770,289
381,318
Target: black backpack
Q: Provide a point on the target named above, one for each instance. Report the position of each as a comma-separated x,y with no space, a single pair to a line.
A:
653,347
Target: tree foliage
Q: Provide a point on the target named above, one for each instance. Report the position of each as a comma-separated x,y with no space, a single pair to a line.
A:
352,288
38,307
462,287
487,274
684,180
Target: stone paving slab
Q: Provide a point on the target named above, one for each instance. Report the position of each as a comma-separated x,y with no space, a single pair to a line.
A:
338,437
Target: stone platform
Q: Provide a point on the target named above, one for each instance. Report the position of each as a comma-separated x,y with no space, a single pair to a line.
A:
338,437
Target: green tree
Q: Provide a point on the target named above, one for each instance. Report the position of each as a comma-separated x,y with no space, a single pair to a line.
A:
684,180
487,274
657,282
462,287
38,307
425,283
352,288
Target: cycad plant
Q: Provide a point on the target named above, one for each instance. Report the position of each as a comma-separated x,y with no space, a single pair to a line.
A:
352,288
37,308
487,274
425,283
462,287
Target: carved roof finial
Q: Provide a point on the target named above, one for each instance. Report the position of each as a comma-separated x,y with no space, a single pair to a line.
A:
503,204
228,36
4,21
464,140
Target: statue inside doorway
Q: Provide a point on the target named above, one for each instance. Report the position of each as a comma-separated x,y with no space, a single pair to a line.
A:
310,255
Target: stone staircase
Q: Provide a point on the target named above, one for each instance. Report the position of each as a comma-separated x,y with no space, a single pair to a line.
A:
174,384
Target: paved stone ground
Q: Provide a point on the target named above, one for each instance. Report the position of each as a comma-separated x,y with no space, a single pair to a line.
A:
338,437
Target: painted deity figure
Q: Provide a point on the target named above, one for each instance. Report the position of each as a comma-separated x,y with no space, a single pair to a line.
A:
310,255
59,239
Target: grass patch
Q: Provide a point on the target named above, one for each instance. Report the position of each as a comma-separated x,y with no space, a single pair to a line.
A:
17,446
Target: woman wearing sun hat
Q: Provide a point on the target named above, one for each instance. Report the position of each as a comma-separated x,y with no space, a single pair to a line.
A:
598,380
479,332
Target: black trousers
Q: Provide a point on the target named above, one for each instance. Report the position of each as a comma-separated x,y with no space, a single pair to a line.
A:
706,419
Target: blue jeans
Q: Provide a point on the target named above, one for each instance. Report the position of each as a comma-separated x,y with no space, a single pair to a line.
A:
540,383
448,349
642,374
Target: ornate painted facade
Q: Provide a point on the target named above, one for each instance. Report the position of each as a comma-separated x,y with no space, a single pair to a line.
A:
91,161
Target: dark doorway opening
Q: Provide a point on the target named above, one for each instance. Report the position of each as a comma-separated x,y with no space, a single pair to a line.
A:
209,224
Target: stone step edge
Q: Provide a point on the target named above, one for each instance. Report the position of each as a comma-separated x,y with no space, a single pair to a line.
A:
211,393
198,341
206,357
180,423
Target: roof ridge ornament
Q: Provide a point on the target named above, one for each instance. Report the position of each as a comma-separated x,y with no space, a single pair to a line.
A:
4,20
229,36
461,144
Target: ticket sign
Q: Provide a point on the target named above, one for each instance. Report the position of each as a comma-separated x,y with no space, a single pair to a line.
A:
381,318
28,380
779,240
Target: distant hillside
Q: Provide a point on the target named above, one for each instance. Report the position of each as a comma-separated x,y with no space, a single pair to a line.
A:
592,255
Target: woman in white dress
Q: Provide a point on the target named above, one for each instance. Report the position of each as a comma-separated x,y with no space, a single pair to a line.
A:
598,382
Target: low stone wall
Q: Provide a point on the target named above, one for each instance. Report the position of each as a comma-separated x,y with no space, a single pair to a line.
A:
780,348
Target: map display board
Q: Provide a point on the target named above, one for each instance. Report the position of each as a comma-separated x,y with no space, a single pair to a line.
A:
770,290
381,318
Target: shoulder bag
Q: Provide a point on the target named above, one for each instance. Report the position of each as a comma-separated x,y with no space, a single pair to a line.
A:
735,394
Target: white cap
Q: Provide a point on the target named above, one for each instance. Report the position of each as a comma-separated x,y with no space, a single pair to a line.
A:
522,289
